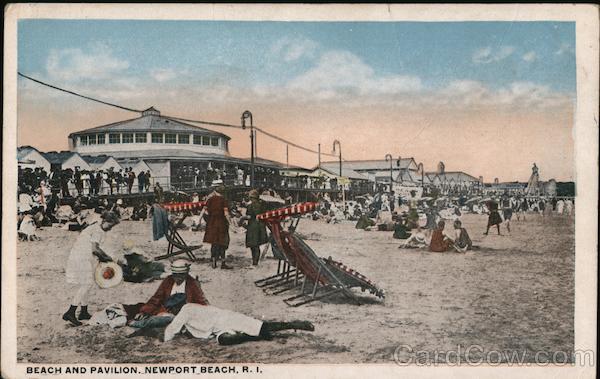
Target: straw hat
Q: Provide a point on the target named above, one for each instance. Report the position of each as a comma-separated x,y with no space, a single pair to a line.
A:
180,266
108,274
253,194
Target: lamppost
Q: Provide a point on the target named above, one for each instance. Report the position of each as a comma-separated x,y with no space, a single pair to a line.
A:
420,167
340,153
399,164
388,157
247,115
340,180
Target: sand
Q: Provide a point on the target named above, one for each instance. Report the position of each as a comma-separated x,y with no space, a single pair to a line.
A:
515,293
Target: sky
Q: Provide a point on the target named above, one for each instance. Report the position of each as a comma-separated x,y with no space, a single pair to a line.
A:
487,98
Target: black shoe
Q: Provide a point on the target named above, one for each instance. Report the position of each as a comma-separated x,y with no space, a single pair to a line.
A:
70,317
84,315
302,325
214,263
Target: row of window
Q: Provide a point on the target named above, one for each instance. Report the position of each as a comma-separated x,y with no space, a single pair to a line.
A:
113,138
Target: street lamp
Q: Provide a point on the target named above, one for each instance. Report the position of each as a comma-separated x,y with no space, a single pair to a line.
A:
340,180
247,115
388,157
340,153
420,167
399,164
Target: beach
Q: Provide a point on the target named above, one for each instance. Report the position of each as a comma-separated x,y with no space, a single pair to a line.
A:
515,293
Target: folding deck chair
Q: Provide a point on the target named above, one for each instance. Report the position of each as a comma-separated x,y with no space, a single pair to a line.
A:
287,276
177,245
319,277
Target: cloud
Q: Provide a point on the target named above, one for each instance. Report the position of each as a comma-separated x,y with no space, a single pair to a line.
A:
488,55
529,56
564,49
343,72
293,49
468,93
162,74
98,63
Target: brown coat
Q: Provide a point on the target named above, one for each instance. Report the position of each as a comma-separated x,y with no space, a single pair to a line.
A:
193,294
217,227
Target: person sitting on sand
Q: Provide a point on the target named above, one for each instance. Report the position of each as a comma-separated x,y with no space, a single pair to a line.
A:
462,242
179,302
401,231
364,222
416,241
176,290
439,241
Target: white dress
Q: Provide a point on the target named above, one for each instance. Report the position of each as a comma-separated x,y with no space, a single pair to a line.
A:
81,262
206,321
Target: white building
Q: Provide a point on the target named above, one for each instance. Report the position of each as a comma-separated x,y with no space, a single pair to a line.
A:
30,157
64,160
147,133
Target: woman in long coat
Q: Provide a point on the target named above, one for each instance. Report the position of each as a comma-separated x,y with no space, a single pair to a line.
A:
217,226
256,234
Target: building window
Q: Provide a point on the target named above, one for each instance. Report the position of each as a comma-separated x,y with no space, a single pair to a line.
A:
214,141
92,139
127,137
114,138
170,138
226,145
101,139
157,138
197,140
83,140
205,140
140,137
183,138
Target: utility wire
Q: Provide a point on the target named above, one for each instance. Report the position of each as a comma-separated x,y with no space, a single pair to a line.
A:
280,139
80,95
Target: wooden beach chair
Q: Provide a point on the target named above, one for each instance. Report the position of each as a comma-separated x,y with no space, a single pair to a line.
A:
315,277
177,244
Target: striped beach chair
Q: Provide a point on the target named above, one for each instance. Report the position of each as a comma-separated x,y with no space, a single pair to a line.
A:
314,277
177,245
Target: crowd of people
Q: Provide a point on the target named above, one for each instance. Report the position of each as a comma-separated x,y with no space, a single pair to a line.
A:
179,305
77,182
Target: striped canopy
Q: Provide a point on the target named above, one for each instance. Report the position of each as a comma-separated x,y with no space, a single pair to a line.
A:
187,206
293,210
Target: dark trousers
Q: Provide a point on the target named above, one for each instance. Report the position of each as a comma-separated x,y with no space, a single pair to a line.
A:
217,251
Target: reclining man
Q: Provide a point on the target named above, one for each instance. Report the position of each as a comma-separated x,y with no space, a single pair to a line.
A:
179,302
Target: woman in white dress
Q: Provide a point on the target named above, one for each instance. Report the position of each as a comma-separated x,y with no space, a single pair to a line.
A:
80,266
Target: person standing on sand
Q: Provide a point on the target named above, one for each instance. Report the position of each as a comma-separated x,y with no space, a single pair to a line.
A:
507,210
256,232
494,217
80,265
217,226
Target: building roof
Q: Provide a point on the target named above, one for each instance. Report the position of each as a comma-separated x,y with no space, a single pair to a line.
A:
456,176
60,157
24,150
150,121
96,159
346,172
371,164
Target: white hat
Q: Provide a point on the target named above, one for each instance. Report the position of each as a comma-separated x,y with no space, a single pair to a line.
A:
108,274
180,266
216,182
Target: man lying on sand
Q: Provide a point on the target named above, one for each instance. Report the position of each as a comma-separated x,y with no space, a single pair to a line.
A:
179,304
